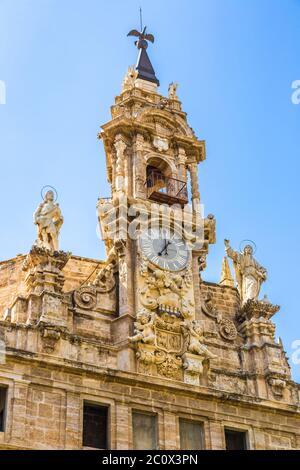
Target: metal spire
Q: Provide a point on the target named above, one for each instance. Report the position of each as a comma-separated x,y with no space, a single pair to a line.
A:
144,67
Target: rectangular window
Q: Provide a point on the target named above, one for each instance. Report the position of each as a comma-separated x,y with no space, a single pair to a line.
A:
191,435
95,421
3,393
144,431
235,440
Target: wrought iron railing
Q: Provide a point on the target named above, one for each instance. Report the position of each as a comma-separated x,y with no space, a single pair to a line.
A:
164,189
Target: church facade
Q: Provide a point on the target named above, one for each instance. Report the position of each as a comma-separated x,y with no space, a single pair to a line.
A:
137,351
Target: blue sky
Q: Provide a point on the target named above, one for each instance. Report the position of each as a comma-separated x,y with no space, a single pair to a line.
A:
63,62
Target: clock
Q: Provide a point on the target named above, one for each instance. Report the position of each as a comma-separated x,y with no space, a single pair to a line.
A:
164,249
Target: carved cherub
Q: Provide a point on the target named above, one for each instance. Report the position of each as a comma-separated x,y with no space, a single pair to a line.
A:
195,333
144,328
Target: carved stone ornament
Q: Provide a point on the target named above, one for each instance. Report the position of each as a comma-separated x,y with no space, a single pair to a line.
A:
208,307
129,79
105,279
166,292
50,338
85,297
167,346
39,256
277,385
227,328
173,91
162,145
258,309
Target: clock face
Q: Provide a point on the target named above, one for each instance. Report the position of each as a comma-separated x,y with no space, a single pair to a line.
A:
165,249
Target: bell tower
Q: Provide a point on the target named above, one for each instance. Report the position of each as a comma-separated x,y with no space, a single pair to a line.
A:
153,227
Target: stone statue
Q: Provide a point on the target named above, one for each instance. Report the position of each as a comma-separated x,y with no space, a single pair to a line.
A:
195,333
144,328
173,91
129,79
249,274
49,220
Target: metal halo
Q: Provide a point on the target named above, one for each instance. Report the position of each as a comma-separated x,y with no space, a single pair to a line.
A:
48,187
248,242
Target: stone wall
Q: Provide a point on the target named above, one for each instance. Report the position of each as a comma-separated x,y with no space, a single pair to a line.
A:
46,405
69,352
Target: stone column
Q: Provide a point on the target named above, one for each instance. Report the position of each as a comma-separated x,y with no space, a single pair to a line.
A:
181,164
196,283
120,147
139,169
193,168
122,327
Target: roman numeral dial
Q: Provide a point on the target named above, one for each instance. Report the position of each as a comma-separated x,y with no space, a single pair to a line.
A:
165,249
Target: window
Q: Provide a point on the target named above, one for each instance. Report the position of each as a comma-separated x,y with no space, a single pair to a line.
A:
3,393
95,420
144,431
235,440
191,435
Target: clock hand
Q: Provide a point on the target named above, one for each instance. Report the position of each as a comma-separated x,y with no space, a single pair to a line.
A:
165,248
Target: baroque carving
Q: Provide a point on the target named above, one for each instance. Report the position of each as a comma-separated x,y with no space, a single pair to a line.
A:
258,309
105,279
49,220
162,145
144,328
85,297
129,79
194,332
166,291
173,91
249,274
169,346
277,385
208,307
227,328
50,338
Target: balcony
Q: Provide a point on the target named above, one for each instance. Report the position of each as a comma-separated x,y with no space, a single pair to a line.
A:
166,190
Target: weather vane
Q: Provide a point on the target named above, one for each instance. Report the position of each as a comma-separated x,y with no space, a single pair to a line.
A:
142,35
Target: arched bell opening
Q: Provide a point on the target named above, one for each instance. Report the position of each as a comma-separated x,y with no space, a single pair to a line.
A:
162,186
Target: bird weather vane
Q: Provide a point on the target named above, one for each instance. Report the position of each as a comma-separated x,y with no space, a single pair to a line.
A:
142,35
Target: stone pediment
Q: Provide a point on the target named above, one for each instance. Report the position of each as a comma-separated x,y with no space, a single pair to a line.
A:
165,122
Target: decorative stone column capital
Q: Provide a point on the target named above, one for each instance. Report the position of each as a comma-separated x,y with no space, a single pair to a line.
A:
181,156
120,145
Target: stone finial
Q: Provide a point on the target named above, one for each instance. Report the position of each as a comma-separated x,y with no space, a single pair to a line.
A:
226,276
129,80
173,91
49,219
